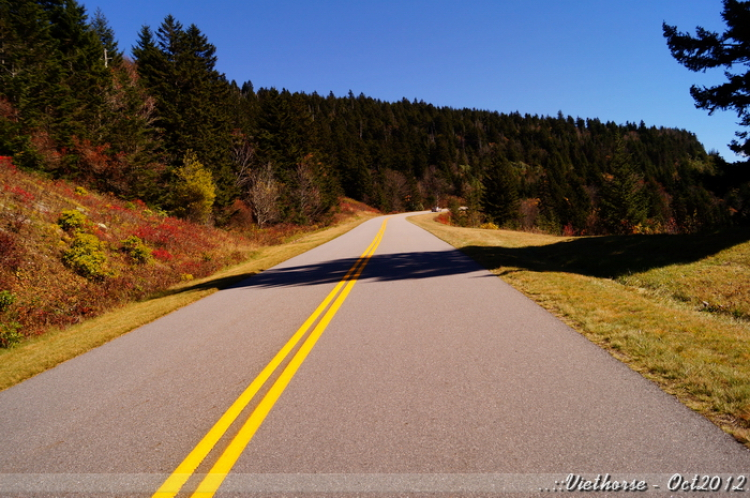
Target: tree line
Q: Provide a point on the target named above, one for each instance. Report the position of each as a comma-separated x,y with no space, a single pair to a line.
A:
167,127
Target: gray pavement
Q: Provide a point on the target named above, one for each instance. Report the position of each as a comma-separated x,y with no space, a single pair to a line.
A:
434,378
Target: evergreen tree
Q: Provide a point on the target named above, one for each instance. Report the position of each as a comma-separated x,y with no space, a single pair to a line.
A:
131,138
53,75
500,200
551,199
192,98
564,202
622,205
710,50
111,54
72,104
81,105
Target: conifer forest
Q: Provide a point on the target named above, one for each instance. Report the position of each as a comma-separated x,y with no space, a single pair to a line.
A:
165,126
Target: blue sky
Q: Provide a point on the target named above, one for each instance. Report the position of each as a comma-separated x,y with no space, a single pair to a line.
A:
587,58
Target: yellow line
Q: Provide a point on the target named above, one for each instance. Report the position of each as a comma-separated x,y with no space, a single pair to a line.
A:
187,467
224,464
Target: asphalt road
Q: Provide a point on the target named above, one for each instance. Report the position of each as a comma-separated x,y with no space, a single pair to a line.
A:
424,376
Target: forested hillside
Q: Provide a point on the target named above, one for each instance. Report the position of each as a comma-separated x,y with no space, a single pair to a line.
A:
168,128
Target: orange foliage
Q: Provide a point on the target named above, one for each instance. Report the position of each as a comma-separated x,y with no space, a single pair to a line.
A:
49,294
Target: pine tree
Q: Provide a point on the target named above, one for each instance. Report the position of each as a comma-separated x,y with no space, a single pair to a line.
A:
52,74
192,98
111,54
710,50
500,201
622,205
564,202
551,196
84,76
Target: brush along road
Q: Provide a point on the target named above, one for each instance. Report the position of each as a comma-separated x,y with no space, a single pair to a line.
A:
384,362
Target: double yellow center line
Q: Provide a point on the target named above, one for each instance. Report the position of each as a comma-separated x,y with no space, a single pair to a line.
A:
231,454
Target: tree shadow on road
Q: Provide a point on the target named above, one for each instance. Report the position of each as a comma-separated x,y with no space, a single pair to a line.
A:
603,257
386,267
380,267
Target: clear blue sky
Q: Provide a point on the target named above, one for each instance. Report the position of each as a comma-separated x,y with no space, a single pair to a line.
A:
587,58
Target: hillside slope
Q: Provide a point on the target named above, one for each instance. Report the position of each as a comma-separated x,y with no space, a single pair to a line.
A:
67,254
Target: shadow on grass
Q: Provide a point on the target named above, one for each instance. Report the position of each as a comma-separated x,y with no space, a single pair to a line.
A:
609,256
217,283
606,257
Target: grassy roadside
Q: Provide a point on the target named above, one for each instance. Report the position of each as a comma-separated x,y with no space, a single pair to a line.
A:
56,346
674,308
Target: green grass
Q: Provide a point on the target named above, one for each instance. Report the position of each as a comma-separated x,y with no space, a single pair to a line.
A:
676,308
43,352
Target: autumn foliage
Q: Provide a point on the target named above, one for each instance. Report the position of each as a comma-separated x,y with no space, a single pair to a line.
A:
67,254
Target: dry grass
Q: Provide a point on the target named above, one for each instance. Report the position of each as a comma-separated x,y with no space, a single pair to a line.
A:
130,252
43,352
674,307
68,256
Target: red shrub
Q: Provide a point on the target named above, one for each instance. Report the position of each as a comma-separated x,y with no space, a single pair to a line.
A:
569,231
193,268
444,218
10,251
347,205
240,215
6,162
64,188
7,110
47,148
156,235
20,194
162,255
140,204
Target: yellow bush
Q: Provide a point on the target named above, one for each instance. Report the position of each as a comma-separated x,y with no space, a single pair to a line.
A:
136,249
72,219
195,191
86,256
